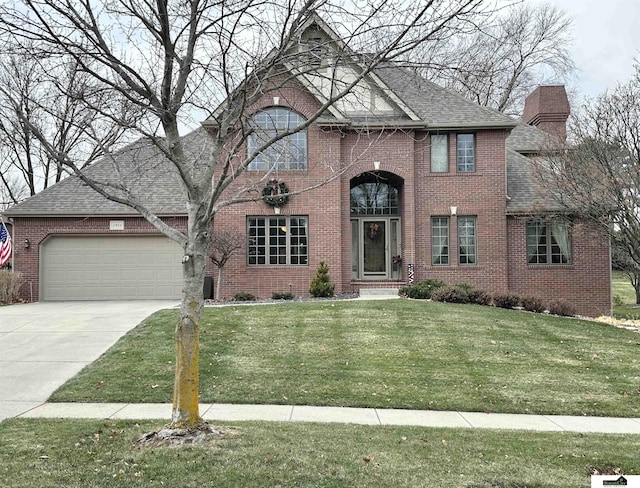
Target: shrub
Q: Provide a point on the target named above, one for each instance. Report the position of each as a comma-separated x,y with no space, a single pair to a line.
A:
421,290
464,286
10,283
506,300
282,296
450,294
479,297
561,307
618,301
321,285
244,296
533,304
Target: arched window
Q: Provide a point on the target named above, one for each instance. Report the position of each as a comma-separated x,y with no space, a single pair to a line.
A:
374,198
288,153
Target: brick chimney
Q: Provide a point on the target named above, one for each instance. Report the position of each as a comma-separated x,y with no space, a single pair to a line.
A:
547,108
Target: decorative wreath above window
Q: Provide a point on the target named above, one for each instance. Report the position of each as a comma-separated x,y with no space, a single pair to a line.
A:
276,193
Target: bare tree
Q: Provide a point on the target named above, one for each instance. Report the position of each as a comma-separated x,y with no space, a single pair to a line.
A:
168,57
224,244
598,176
44,93
500,64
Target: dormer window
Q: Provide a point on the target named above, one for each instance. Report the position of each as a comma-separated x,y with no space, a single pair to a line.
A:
288,153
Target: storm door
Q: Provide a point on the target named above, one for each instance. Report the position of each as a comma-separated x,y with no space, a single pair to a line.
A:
374,249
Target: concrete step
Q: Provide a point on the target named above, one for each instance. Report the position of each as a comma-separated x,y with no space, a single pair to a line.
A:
365,292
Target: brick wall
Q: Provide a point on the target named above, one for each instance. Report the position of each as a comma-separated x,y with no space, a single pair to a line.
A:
481,194
586,283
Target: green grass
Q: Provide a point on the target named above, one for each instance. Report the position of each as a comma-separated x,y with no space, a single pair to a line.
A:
87,454
396,353
621,287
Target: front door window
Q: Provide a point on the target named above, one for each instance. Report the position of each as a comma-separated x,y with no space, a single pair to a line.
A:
375,240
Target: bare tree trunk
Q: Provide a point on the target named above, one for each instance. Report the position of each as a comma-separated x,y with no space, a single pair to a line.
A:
635,281
219,285
185,412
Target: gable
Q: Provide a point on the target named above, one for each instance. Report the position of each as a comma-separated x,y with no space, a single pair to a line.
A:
325,68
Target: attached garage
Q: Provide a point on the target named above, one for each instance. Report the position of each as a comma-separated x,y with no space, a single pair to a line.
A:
110,268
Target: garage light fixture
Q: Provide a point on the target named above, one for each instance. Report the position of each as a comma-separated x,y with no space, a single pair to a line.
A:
26,243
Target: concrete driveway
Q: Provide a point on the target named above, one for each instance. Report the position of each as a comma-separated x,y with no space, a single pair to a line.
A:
44,344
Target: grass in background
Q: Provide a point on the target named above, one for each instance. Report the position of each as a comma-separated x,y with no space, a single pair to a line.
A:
83,453
621,287
388,354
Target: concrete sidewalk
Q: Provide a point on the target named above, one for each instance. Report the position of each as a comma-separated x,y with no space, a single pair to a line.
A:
365,416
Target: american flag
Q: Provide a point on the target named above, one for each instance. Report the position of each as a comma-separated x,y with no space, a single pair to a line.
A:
5,245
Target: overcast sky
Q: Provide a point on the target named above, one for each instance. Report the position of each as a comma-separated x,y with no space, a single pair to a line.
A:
606,39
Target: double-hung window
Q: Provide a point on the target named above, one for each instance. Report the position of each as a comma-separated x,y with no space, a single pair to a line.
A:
548,242
277,240
467,240
287,153
466,153
439,240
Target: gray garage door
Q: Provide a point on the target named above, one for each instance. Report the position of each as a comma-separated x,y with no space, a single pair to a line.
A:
110,268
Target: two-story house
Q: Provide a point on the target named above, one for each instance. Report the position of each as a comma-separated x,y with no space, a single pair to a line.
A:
413,182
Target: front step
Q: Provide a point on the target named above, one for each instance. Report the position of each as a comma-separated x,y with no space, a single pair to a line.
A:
375,292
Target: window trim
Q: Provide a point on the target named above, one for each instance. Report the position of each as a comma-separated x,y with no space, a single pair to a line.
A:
458,155
431,153
390,206
460,220
265,250
447,239
549,245
263,158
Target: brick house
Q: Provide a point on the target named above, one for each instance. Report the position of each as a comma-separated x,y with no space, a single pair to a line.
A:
429,185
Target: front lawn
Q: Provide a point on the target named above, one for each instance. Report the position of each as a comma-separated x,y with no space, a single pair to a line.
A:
395,353
91,453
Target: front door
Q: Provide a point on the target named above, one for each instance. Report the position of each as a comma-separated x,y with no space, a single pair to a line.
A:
375,248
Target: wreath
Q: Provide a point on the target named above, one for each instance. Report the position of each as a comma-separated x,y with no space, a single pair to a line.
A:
275,193
373,231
